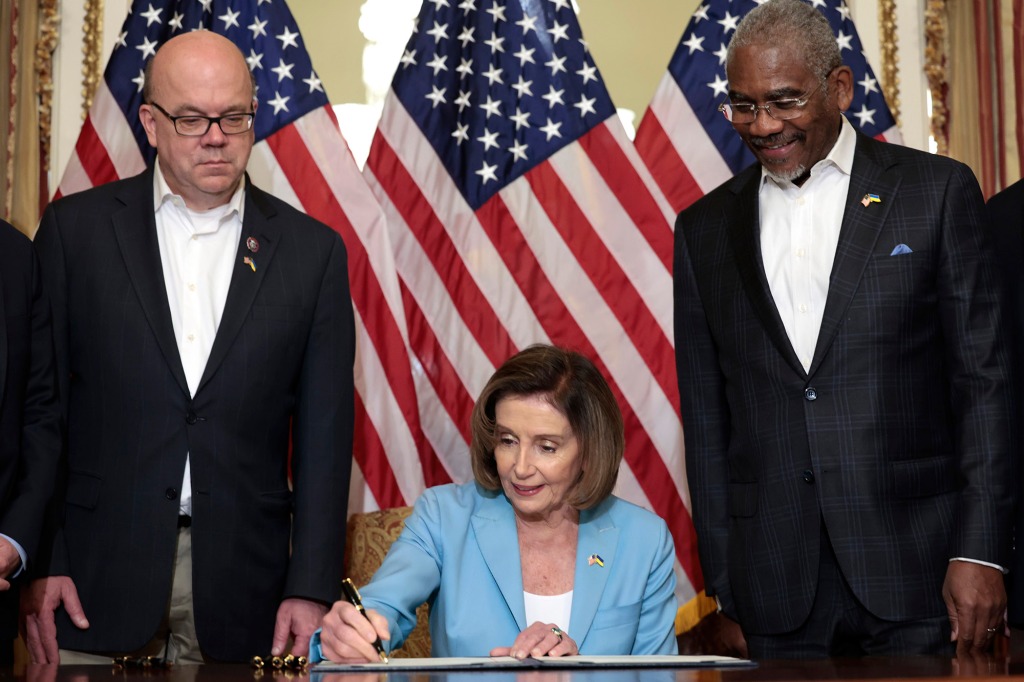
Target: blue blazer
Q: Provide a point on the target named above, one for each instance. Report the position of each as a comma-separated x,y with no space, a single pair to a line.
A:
460,552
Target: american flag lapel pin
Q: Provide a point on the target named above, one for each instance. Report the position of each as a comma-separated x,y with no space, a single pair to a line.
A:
250,262
870,199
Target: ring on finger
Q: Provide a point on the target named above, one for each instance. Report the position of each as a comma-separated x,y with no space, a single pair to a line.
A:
557,633
990,631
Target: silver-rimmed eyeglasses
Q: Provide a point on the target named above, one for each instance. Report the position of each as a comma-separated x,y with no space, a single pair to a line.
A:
193,125
779,109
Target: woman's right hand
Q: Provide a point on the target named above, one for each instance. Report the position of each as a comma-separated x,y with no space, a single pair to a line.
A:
346,636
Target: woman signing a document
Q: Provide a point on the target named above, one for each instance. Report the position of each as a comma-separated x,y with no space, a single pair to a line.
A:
535,557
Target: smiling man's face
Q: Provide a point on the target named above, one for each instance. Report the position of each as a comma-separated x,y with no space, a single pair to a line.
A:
761,73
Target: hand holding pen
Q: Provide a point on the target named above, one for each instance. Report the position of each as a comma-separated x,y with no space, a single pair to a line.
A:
350,632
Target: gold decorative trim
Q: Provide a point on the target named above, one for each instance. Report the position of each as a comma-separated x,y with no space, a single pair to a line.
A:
935,25
890,56
11,114
49,23
92,44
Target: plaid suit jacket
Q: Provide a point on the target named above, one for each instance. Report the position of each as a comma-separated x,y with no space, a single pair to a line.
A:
897,438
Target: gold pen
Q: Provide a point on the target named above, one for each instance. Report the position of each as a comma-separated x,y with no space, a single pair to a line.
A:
353,598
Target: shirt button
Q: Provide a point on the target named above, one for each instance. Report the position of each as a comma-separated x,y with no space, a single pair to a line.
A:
171,494
800,253
191,337
810,393
191,286
195,237
801,201
808,476
803,307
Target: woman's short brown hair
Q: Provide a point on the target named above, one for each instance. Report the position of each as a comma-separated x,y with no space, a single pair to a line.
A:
572,385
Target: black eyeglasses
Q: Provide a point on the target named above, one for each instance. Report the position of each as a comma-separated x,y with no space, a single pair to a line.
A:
194,125
779,109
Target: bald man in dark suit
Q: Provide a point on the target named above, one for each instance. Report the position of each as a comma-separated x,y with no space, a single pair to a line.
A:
202,327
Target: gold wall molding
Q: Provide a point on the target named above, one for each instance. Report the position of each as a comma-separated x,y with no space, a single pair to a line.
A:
92,44
11,12
935,32
49,26
890,56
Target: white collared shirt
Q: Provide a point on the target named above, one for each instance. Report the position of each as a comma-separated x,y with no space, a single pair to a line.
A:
197,252
799,235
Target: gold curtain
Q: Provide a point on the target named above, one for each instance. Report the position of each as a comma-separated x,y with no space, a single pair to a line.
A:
984,59
27,40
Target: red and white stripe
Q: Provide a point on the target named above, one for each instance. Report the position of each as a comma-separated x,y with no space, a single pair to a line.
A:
684,161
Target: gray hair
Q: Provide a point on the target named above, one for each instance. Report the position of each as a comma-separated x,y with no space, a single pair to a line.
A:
792,21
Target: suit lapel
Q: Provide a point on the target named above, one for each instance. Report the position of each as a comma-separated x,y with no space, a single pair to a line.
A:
857,238
245,281
135,231
597,535
742,222
495,528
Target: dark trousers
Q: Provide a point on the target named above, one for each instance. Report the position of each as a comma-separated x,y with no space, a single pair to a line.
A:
8,624
839,625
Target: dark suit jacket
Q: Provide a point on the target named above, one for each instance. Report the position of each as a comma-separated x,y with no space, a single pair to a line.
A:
282,361
1006,214
29,411
898,437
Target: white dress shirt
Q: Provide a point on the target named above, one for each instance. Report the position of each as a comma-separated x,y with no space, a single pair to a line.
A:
799,235
197,252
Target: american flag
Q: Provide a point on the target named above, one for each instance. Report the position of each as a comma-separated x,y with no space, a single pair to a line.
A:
520,213
301,157
688,145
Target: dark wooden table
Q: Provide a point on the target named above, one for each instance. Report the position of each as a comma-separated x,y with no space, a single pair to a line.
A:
918,668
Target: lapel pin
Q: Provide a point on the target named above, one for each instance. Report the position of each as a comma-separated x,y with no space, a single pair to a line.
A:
252,244
595,559
868,199
250,262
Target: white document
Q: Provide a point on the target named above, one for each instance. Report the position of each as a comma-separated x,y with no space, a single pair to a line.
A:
485,663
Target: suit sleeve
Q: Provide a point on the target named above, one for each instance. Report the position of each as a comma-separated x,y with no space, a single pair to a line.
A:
1006,216
52,556
706,420
979,367
411,572
39,455
322,438
656,633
